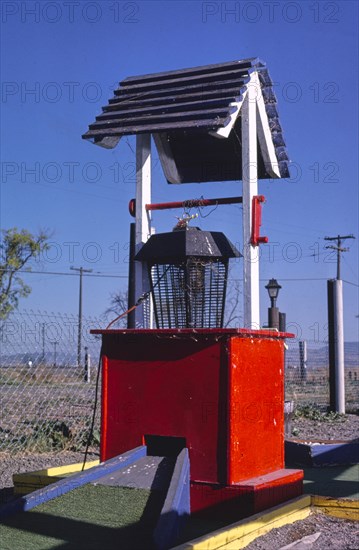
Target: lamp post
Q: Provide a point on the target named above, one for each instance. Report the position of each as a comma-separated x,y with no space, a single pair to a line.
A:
273,312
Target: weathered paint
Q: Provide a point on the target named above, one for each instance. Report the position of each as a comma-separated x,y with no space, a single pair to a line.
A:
256,408
338,507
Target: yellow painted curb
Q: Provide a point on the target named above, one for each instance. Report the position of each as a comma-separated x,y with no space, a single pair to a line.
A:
31,481
338,507
240,534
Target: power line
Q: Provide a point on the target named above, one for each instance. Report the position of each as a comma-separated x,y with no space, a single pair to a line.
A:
66,274
106,275
350,283
293,279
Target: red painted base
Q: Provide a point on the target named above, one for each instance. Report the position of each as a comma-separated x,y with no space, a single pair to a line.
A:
220,393
247,497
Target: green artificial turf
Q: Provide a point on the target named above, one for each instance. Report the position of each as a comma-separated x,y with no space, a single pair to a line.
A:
333,481
91,518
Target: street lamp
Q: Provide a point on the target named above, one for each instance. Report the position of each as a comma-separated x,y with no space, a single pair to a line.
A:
273,313
273,290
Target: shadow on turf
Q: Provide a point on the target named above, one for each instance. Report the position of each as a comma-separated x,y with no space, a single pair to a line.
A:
58,532
325,482
74,534
7,495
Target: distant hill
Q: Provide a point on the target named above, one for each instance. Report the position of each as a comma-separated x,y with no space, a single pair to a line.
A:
318,354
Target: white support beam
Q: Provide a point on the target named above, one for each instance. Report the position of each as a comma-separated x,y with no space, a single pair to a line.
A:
143,218
264,132
250,189
224,132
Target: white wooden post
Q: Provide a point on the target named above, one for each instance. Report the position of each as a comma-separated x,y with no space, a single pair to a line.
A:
339,346
143,218
250,188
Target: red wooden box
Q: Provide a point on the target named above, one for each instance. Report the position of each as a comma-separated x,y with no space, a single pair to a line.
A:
220,390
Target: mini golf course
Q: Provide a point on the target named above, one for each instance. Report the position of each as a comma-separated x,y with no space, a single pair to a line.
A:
89,517
132,501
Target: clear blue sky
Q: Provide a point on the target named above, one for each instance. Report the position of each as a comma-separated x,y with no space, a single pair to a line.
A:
60,62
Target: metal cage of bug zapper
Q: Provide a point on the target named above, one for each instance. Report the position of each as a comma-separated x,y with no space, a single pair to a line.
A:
188,270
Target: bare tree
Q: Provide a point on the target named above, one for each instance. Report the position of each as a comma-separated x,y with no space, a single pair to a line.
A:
232,315
118,305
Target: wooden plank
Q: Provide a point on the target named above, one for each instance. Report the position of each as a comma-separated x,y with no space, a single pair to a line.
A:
224,132
271,110
265,136
247,539
209,124
338,507
217,77
55,471
27,482
239,534
158,100
169,107
274,124
143,218
244,63
24,503
213,87
322,453
268,95
264,76
153,119
176,507
165,153
251,318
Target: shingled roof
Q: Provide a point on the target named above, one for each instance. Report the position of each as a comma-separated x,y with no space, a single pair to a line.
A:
194,117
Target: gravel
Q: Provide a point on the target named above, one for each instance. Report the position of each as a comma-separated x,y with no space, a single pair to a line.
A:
344,427
335,533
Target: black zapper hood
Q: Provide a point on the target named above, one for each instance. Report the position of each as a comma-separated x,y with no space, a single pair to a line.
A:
176,246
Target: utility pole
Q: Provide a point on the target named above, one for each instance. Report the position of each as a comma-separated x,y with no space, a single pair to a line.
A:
81,270
336,331
338,248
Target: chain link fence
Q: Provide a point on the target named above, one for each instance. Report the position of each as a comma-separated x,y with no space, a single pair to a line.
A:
47,398
307,374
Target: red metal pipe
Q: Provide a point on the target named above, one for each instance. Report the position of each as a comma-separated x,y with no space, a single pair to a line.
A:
193,203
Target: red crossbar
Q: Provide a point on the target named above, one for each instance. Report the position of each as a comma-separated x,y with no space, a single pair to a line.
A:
191,203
